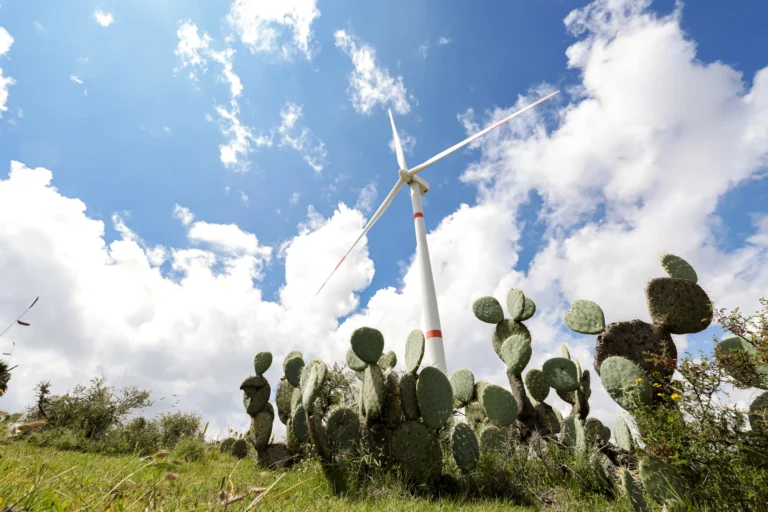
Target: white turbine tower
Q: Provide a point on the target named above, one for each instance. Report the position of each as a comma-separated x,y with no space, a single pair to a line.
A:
435,352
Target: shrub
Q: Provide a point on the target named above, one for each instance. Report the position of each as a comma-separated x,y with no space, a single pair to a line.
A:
143,436
189,449
175,425
93,410
709,442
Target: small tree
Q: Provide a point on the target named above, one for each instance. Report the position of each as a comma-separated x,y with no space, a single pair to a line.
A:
92,410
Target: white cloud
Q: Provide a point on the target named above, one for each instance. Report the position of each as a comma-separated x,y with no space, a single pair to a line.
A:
75,79
366,198
261,26
104,19
244,197
6,40
655,141
183,214
443,40
195,50
369,84
294,198
300,138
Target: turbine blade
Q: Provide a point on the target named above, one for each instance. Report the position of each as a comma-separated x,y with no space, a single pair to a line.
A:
463,143
398,146
374,218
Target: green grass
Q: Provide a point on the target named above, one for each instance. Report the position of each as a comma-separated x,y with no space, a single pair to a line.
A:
47,479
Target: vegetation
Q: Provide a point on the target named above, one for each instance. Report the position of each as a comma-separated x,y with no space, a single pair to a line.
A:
365,436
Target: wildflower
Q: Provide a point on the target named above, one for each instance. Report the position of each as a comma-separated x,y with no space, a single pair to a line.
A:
659,394
182,434
676,396
639,380
657,385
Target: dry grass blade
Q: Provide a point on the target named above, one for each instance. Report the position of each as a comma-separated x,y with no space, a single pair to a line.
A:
226,499
294,486
261,496
162,454
36,485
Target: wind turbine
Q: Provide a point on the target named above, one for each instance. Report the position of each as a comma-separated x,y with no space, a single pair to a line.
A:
434,350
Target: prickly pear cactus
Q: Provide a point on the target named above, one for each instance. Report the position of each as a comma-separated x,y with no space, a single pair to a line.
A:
388,361
633,491
226,445
623,435
679,306
660,480
374,391
368,344
758,413
414,351
561,374
537,384
466,450
435,397
499,404
585,317
626,382
262,362
488,309
417,451
408,399
463,385
240,448
636,340
343,428
516,352
677,267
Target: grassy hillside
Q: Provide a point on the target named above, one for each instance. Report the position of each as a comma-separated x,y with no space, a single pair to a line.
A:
48,479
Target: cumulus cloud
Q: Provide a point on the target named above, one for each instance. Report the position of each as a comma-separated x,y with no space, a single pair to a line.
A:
103,18
366,198
634,166
408,142
6,40
195,50
369,84
263,26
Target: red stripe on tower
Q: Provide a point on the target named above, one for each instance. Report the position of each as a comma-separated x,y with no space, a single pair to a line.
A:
434,334
417,215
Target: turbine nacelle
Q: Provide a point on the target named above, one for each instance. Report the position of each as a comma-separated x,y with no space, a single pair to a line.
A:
408,178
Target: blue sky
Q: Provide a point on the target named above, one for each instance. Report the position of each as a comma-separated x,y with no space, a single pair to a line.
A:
106,104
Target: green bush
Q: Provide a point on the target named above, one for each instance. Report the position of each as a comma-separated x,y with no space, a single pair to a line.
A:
189,449
143,436
175,425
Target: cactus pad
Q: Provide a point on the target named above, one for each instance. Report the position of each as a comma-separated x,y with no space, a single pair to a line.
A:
737,357
240,448
261,427
416,449
493,438
488,309
758,413
475,413
388,360
528,310
500,405
597,434
622,434
466,451
408,400
504,330
254,403
585,317
314,382
561,374
374,391
414,351
226,445
660,480
435,397
368,344
300,424
463,385
292,368
633,491
625,381
678,305
632,340
537,384
252,384
574,435
295,399
354,362
262,362
343,427
393,410
677,267
515,304
516,352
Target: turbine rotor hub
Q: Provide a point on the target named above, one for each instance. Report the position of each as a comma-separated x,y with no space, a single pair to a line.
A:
404,175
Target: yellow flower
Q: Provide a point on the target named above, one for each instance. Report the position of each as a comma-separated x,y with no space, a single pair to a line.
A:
182,434
675,396
657,385
639,380
659,394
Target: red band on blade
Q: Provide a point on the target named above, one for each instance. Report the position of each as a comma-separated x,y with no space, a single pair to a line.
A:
418,214
434,334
